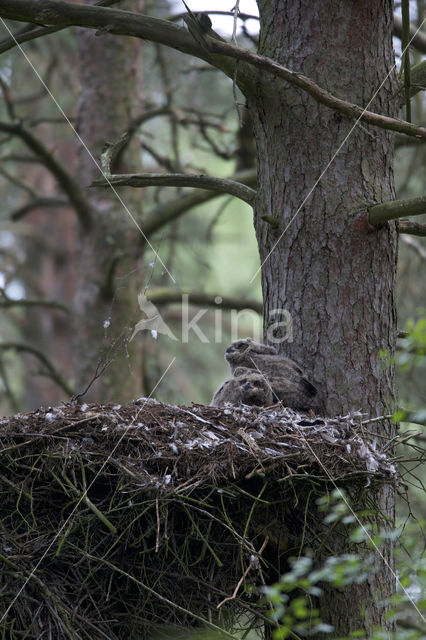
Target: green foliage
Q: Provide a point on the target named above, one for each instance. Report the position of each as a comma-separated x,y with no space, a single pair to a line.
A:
411,368
292,598
413,345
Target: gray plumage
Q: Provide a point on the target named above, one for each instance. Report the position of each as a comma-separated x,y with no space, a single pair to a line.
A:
248,387
285,376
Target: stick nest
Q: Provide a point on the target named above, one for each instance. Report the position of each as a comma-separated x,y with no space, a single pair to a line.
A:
116,520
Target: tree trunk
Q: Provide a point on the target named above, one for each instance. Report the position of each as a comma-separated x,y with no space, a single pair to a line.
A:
328,269
108,73
322,263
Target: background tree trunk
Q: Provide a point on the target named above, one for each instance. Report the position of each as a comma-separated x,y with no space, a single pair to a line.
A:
322,263
110,72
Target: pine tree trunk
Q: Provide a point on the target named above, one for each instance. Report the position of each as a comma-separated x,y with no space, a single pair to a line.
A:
322,263
105,311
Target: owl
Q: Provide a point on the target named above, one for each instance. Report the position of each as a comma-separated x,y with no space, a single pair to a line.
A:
286,377
247,387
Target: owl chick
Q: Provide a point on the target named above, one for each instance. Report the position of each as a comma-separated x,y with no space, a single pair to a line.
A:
248,387
285,376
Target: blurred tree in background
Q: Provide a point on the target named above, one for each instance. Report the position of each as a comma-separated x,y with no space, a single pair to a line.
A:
51,255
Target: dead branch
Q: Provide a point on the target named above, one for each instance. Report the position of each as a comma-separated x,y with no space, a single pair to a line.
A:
386,211
200,181
51,371
162,296
66,181
7,303
164,214
419,249
412,228
419,39
41,202
26,34
220,54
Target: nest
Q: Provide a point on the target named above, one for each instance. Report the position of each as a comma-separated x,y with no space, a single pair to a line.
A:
117,520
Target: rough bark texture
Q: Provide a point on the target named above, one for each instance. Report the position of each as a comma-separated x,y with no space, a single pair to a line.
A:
323,263
107,104
333,273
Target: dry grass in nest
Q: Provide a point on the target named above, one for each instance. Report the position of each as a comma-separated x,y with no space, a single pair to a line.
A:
118,520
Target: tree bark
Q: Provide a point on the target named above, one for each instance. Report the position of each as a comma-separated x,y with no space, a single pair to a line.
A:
107,106
321,262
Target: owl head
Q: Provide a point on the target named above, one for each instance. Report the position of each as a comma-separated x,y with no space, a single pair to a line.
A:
238,354
254,388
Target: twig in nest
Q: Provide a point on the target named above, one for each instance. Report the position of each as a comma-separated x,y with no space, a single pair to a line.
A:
254,564
157,513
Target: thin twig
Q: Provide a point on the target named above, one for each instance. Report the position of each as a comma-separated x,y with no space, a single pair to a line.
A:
254,563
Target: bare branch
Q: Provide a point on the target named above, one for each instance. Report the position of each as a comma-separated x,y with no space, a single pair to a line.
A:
381,213
40,202
111,150
418,78
318,93
57,12
417,81
164,214
148,115
31,98
66,181
416,246
8,391
134,126
51,371
221,153
201,181
181,117
412,228
163,296
240,16
404,141
16,157
15,180
25,35
161,160
405,62
10,107
7,303
419,40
